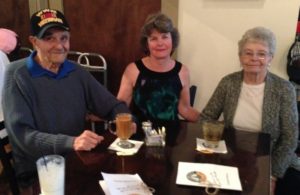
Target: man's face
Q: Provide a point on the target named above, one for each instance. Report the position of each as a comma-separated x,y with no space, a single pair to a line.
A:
53,47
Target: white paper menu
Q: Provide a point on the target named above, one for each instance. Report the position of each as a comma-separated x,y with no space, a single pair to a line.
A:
123,184
205,174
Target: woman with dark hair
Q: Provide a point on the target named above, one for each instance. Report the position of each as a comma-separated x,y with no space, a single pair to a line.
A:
157,86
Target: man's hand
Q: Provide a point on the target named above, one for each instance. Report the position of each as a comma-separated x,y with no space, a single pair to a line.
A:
87,141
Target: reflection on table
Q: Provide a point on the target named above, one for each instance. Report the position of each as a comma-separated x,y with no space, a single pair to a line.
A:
157,166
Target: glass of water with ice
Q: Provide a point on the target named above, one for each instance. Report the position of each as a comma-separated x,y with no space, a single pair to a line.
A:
51,172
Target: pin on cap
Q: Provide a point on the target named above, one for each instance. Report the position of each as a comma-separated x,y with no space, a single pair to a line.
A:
45,19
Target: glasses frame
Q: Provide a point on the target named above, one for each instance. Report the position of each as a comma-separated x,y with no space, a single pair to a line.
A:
260,55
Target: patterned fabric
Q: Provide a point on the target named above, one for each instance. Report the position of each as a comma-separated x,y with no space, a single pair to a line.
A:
4,61
156,94
279,116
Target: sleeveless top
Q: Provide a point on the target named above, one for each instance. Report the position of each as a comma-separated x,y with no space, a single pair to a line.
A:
156,94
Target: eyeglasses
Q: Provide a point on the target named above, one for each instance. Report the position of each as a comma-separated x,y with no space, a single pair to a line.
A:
260,55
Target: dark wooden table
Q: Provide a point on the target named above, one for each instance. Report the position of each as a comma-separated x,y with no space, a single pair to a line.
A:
250,152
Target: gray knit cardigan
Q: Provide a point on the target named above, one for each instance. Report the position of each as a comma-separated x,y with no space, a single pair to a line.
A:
279,115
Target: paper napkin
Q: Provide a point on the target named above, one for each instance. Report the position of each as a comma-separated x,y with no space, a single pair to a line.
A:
121,184
124,151
220,149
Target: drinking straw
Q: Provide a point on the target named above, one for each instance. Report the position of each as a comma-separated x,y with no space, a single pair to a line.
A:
44,159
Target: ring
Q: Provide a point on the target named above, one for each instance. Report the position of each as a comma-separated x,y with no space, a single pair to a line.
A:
208,188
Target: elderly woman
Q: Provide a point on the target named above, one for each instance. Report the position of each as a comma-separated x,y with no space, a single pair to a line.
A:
256,100
157,85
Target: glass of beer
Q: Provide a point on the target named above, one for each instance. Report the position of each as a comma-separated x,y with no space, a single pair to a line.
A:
212,133
123,129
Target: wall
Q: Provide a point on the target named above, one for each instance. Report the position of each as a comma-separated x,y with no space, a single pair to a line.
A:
210,30
15,16
110,28
35,5
170,8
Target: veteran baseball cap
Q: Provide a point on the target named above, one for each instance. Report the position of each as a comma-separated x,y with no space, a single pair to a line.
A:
45,19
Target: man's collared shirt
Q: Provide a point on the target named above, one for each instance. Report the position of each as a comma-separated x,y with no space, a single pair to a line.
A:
36,70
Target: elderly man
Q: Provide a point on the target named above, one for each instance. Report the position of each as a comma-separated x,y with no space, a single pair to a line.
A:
47,97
